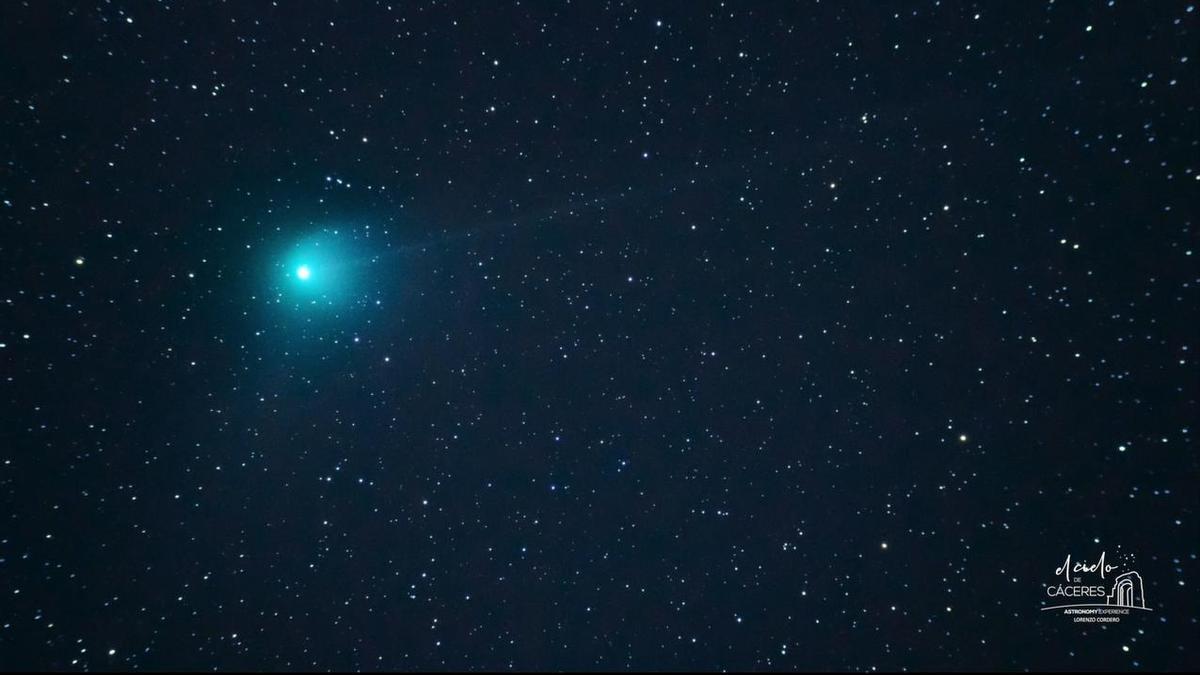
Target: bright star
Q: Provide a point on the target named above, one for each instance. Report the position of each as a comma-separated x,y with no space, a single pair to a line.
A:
303,272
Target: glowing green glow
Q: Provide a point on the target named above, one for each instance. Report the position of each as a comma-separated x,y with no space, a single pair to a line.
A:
321,270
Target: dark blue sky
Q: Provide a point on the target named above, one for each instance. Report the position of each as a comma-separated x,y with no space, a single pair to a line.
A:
765,336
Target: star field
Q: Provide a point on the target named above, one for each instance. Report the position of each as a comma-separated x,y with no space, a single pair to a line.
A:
595,335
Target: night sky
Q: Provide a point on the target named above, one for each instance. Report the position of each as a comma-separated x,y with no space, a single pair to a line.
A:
596,335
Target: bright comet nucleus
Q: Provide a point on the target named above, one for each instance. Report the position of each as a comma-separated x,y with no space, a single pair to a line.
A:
320,270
